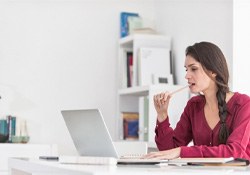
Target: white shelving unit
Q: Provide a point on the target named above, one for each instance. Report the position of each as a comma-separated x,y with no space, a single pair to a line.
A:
129,101
132,43
129,97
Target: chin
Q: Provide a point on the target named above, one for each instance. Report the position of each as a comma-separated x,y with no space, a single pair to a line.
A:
194,91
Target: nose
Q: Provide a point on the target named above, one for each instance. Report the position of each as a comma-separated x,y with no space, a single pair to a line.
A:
187,76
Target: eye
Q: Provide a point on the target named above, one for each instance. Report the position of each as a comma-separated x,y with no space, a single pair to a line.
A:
194,68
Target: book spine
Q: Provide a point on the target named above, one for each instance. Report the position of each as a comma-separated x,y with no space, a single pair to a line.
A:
18,127
9,127
129,68
13,125
3,127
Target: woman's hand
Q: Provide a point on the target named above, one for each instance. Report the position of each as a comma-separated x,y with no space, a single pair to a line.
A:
161,102
168,154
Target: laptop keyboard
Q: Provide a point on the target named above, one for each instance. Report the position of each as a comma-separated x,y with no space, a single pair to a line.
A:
132,156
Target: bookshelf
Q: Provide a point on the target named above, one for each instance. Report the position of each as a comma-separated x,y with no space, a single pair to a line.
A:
133,43
136,98
129,100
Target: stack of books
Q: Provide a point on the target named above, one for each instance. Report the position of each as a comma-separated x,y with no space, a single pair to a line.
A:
131,22
15,128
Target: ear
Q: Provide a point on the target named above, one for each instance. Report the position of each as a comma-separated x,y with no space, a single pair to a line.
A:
213,74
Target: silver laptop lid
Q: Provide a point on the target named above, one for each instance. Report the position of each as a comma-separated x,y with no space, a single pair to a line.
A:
89,133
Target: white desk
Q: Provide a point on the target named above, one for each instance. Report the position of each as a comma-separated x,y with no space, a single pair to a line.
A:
20,150
25,166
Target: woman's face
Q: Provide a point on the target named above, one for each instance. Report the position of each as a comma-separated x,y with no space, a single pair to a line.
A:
197,78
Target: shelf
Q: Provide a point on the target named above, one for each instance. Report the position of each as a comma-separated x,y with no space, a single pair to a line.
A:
143,90
135,91
133,43
128,41
139,98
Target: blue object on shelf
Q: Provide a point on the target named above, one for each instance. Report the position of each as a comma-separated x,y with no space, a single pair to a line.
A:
124,22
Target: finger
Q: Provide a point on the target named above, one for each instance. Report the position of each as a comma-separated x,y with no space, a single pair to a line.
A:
156,101
166,96
164,157
159,99
147,155
152,155
159,156
162,98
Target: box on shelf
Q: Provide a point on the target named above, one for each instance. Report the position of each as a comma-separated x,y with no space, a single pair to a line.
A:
153,63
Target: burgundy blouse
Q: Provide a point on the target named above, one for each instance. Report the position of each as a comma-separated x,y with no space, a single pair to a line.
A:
194,127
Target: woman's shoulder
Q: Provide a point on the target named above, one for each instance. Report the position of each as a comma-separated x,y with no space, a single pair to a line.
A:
239,106
240,99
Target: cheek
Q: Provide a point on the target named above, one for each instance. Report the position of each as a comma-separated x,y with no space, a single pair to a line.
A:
204,81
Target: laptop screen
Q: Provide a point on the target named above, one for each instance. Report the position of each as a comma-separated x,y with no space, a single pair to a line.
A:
89,133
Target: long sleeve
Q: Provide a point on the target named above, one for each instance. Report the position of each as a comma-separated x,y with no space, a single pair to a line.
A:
167,138
193,126
238,142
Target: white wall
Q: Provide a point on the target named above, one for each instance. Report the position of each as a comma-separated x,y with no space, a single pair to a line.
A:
190,21
241,37
60,55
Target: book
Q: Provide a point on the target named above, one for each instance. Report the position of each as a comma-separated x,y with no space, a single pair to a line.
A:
18,127
3,127
198,161
144,31
9,130
129,68
234,162
134,22
130,126
230,161
13,125
124,30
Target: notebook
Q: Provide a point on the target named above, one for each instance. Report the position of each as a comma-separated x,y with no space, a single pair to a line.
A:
91,137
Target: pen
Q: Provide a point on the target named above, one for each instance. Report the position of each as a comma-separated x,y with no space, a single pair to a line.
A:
178,90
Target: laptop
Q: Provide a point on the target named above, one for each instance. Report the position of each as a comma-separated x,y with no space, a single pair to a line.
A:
92,138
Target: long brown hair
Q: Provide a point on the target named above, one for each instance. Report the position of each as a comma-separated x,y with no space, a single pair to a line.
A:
212,59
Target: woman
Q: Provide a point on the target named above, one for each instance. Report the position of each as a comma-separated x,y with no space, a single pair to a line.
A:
217,120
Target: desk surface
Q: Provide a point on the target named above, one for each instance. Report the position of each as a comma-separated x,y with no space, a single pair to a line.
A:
44,167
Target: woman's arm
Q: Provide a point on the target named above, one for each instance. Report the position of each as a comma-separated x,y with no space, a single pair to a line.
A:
237,144
167,138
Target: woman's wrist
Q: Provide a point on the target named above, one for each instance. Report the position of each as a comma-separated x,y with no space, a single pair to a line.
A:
162,117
